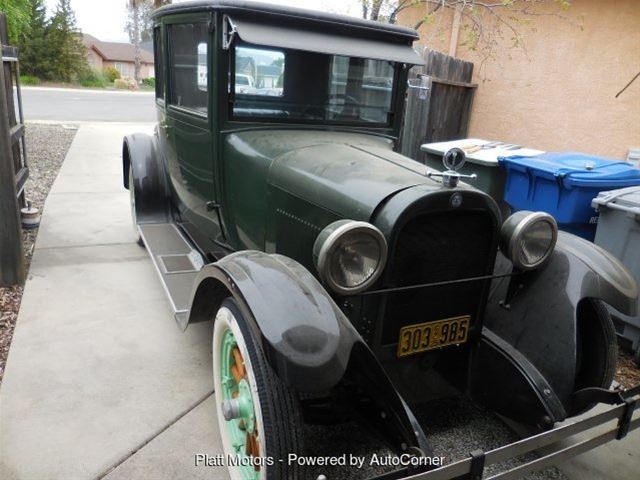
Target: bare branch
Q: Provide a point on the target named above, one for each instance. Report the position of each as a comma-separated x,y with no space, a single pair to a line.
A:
486,22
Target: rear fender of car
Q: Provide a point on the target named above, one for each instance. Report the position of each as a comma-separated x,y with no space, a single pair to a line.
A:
306,338
536,313
140,151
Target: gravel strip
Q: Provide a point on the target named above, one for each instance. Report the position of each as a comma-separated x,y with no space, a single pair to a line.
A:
627,373
46,147
454,427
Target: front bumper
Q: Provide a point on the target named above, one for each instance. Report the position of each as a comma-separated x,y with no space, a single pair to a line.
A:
561,443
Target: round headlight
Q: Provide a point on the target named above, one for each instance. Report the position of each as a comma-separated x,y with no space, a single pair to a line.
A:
528,238
349,255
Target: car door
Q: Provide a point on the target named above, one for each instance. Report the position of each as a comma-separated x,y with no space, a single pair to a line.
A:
188,124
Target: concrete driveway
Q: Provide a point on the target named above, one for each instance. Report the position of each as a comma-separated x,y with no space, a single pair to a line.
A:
100,382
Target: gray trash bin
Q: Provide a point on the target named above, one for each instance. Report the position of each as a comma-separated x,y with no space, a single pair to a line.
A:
619,233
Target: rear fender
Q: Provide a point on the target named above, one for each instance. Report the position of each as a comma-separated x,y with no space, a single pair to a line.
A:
140,151
540,319
306,338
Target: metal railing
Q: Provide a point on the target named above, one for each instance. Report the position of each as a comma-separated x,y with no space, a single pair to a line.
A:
562,443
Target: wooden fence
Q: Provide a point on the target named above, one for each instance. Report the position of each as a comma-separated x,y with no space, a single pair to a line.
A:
13,167
438,103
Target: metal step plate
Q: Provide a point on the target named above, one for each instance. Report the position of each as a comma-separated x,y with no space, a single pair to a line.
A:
176,262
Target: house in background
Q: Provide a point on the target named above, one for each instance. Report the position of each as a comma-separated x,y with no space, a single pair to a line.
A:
246,66
561,94
121,56
268,76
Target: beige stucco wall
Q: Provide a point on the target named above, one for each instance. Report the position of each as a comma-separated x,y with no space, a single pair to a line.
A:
560,94
94,59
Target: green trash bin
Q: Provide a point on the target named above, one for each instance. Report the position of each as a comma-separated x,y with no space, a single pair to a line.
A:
483,162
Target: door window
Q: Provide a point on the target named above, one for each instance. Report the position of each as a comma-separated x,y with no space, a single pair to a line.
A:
188,66
159,63
259,72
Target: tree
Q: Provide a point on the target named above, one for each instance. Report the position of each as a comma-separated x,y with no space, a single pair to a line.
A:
67,56
133,27
483,21
32,42
17,13
139,28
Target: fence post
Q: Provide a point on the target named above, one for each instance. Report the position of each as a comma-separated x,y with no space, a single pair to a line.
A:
416,116
12,270
444,113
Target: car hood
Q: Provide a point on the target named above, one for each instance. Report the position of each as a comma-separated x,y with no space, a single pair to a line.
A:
349,175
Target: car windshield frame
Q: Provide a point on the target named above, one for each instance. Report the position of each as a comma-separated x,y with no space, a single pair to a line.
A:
230,86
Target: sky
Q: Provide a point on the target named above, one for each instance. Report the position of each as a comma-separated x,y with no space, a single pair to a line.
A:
105,19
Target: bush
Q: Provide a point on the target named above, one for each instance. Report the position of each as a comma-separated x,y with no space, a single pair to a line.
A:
29,80
110,74
121,83
149,82
91,78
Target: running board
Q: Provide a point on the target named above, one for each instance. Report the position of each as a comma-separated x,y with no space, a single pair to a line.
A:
176,262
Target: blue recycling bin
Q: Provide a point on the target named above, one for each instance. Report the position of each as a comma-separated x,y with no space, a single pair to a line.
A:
563,184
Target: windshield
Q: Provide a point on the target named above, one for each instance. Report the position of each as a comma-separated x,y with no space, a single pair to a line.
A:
304,86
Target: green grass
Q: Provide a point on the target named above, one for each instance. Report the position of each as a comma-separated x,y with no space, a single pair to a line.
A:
93,83
92,79
149,82
29,80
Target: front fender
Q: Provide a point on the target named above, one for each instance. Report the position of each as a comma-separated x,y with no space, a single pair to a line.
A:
602,274
308,341
541,320
305,336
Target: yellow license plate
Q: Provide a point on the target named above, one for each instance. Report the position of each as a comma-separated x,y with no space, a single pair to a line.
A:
430,335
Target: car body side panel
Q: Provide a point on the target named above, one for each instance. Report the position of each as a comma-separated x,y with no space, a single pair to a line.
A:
541,322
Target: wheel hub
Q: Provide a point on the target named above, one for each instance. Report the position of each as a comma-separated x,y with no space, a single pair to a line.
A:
237,404
240,407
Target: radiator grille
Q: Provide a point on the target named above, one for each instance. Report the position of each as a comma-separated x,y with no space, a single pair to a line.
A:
436,247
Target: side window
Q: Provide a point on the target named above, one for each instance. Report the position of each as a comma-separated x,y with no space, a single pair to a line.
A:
259,72
159,62
202,67
187,64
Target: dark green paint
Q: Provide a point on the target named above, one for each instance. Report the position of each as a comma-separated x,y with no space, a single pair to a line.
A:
238,181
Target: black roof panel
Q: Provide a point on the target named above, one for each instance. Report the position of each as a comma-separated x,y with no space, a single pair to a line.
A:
299,16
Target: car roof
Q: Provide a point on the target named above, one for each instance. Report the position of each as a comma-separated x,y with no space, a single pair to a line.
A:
299,17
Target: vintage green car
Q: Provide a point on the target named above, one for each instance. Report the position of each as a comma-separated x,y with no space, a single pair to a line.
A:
345,280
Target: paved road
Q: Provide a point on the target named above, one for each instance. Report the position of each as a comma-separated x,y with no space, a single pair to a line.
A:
61,104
